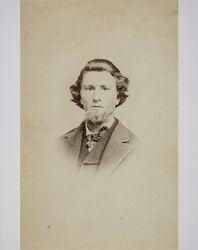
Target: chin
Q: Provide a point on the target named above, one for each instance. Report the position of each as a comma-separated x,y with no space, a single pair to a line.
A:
96,117
95,120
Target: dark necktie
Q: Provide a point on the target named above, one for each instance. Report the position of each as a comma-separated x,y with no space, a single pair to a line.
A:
92,139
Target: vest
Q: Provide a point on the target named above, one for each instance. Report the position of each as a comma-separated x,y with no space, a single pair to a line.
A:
92,159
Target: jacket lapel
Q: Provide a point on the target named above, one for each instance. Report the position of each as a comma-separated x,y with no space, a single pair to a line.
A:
119,146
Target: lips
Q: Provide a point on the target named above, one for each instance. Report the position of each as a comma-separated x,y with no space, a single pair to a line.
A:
97,106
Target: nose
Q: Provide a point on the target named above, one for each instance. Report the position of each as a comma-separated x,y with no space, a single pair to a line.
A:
96,96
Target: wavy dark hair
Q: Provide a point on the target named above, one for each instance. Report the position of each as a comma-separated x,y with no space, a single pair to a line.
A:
122,82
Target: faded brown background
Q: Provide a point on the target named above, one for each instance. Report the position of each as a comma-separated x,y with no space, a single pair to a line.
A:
137,207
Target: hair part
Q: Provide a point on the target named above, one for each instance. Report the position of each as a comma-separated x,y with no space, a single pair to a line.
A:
99,65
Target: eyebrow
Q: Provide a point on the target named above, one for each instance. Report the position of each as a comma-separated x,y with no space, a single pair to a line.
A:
105,86
88,85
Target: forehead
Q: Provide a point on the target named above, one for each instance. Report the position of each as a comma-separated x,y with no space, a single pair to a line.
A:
98,78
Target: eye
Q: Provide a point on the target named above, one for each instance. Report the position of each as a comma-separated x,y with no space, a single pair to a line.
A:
89,87
105,87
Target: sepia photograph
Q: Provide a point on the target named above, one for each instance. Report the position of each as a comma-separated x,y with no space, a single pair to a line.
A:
99,125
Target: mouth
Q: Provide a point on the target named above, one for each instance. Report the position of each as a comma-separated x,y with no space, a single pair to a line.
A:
97,106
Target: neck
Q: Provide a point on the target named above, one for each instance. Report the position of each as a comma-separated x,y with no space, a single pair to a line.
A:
95,127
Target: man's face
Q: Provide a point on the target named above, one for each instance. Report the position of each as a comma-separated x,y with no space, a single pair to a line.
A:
98,96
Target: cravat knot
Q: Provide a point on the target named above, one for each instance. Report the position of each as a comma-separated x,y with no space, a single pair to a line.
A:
93,138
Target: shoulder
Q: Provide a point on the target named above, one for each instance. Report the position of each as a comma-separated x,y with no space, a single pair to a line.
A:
132,136
66,140
73,132
126,134
69,134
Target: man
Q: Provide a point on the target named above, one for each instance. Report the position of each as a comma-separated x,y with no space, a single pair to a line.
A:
101,143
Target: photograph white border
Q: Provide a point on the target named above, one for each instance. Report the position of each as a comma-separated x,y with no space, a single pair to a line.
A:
188,125
10,124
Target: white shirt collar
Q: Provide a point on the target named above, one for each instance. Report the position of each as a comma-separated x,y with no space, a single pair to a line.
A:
106,124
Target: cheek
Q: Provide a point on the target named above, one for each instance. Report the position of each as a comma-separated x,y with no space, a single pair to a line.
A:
112,101
82,98
85,101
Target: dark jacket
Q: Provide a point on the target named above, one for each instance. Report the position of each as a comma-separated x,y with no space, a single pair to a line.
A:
120,145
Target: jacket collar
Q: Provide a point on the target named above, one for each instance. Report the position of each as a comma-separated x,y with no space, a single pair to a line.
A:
120,144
